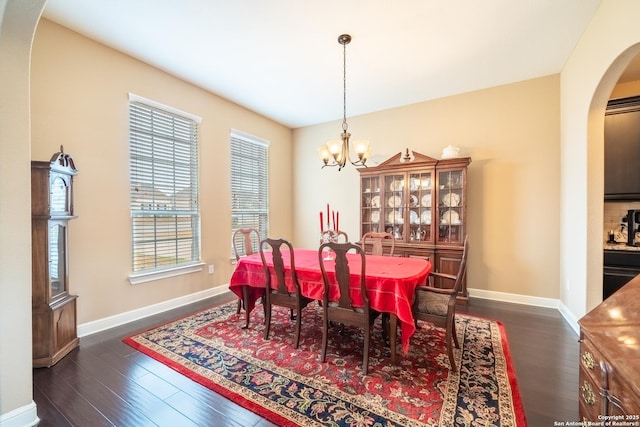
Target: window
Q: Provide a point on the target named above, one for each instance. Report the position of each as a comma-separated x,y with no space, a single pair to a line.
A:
249,183
165,215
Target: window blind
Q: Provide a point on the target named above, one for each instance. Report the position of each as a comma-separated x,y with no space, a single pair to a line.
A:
249,184
164,188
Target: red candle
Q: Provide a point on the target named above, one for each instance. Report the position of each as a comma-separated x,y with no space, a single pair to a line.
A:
337,221
328,217
333,214
321,225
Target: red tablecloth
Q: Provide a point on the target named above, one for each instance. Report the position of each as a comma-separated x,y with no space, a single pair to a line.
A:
391,282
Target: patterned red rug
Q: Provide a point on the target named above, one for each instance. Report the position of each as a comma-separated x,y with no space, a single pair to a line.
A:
291,387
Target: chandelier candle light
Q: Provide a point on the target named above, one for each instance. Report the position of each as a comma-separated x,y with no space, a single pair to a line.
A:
336,152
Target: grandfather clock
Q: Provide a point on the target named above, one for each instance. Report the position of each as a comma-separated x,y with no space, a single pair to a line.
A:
53,308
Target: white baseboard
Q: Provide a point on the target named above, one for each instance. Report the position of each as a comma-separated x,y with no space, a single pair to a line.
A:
570,318
122,318
129,316
529,300
25,416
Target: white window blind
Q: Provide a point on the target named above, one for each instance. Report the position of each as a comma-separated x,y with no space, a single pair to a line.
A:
249,184
164,187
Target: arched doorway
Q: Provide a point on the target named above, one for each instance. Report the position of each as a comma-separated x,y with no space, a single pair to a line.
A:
621,163
607,89
18,21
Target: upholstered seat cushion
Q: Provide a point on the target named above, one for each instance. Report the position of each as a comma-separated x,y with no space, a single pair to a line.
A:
433,303
356,309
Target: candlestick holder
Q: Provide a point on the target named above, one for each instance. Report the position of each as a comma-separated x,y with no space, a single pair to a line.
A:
329,236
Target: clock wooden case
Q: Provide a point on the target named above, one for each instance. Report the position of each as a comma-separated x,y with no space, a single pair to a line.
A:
53,307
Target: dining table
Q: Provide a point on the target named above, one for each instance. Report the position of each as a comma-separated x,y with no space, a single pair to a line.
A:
390,283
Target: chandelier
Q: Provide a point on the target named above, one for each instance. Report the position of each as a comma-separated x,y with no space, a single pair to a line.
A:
336,152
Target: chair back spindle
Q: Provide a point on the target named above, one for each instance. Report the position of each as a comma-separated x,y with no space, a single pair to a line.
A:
342,309
280,294
376,240
242,241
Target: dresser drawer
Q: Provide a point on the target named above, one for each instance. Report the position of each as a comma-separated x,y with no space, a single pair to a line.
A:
589,396
590,359
588,413
622,399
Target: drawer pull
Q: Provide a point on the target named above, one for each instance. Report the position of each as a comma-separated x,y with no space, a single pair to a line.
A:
587,394
588,360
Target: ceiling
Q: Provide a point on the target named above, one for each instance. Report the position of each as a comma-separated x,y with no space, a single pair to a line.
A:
281,58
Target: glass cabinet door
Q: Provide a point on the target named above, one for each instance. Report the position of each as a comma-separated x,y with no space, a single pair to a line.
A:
394,205
59,194
57,259
451,206
420,203
371,204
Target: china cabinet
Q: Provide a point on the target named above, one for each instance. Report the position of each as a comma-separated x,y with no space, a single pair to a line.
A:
422,202
53,308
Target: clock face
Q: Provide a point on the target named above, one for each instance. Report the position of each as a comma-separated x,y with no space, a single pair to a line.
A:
59,195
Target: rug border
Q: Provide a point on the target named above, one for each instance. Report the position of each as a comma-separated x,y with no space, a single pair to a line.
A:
518,405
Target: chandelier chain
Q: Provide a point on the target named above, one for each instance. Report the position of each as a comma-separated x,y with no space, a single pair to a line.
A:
344,87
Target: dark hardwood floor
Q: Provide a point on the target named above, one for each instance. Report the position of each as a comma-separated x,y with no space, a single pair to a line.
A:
105,382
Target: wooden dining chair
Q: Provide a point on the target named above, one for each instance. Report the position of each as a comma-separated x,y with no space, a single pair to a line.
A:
280,294
340,235
438,305
243,241
342,310
375,239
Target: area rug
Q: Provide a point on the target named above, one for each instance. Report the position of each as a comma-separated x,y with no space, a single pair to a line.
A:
291,387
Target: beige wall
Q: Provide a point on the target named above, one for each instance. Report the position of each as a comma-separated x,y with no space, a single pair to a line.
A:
626,89
512,134
79,99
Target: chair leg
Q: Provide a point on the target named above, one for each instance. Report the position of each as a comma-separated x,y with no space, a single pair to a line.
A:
298,325
454,333
449,340
325,337
385,329
365,356
452,361
267,320
245,298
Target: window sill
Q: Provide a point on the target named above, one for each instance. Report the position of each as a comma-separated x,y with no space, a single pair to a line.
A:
136,279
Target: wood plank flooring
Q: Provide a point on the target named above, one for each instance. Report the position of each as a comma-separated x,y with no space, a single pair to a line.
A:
107,383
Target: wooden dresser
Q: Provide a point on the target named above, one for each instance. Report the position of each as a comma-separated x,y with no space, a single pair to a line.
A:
609,384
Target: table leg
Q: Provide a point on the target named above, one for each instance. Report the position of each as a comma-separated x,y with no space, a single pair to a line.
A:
245,302
393,323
